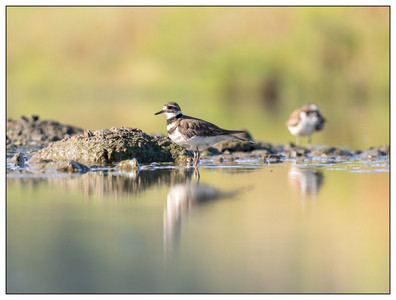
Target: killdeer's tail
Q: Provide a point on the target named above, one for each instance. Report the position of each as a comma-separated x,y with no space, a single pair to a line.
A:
241,139
232,133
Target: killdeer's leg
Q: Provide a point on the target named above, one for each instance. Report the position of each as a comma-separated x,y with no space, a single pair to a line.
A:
309,141
196,174
195,158
298,140
198,156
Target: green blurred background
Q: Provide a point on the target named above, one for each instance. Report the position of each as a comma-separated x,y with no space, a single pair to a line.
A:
238,67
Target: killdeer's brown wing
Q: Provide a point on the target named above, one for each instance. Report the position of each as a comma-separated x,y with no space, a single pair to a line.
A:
294,118
190,127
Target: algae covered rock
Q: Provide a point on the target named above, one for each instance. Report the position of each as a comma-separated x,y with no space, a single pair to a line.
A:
71,166
109,146
128,165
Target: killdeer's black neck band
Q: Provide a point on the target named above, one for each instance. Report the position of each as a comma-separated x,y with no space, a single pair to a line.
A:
173,119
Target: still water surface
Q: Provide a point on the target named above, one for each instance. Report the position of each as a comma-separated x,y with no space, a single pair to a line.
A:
242,228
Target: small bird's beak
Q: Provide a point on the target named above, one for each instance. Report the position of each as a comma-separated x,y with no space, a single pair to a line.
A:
160,112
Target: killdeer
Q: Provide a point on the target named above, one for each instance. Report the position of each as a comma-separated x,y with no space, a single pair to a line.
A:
305,121
194,134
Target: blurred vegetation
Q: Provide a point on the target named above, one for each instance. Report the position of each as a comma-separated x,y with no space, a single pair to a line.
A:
239,67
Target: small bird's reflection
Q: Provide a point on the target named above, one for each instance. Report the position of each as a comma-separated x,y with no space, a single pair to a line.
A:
181,199
307,181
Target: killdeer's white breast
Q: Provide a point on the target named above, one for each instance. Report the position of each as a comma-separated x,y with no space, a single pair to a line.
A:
306,125
179,138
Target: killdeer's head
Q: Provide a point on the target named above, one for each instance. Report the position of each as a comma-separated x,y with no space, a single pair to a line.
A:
312,112
308,113
311,109
170,110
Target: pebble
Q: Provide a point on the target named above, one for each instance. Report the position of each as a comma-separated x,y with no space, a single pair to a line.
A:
71,166
18,159
128,165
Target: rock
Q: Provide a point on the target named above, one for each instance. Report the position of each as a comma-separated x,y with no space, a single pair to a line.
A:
330,152
374,152
234,146
34,132
109,146
228,157
87,133
128,165
66,166
292,151
261,153
356,152
71,166
211,151
273,158
296,152
385,149
218,159
230,146
18,159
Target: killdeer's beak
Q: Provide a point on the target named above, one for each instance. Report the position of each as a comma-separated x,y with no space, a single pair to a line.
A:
160,112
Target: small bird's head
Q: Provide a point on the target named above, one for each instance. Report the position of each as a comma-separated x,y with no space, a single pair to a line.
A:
170,110
312,112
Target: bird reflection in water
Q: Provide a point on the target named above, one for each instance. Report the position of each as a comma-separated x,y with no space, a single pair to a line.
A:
307,181
181,200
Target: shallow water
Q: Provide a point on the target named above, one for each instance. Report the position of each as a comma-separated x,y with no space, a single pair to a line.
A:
243,227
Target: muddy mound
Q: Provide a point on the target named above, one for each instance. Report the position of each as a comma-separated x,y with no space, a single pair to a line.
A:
109,146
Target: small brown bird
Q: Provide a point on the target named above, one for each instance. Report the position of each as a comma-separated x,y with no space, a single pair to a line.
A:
305,121
192,133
